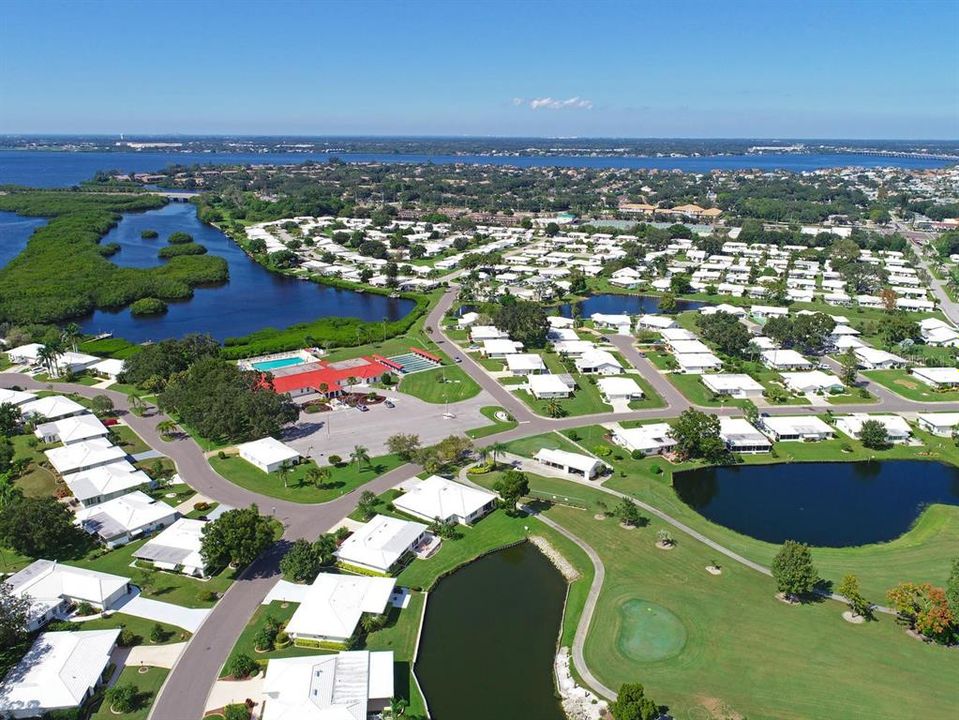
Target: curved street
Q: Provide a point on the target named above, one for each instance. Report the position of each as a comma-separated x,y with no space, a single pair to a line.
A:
185,691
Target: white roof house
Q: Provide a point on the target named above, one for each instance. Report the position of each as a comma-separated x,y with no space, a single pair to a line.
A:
108,367
737,385
621,323
52,407
381,544
572,348
619,388
796,427
570,463
437,497
344,686
70,430
84,455
525,363
647,439
59,672
740,436
176,548
333,605
267,454
120,520
51,586
500,347
547,386
15,397
937,377
598,361
467,319
24,354
105,482
688,347
897,429
479,333
655,322
812,381
698,363
785,360
875,359
942,424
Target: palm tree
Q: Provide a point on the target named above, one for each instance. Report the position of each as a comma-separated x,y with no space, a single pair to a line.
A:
167,428
136,403
319,475
284,471
47,355
554,409
496,449
360,455
70,335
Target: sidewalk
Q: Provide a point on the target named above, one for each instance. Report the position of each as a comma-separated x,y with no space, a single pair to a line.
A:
156,610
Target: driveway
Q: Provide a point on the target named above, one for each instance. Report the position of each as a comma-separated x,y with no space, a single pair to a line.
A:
158,611
319,435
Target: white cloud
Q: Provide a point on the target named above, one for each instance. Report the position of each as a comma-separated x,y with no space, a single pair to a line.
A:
548,103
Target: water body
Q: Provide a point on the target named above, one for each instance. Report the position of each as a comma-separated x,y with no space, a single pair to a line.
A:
61,168
253,299
613,304
15,230
489,639
824,504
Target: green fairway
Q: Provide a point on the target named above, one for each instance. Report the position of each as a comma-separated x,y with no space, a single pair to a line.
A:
344,479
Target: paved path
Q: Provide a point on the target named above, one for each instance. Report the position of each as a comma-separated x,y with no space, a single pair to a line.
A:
164,656
938,287
159,611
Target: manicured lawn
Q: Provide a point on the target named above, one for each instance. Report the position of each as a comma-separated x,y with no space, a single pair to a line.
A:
279,611
725,647
585,400
851,398
148,684
160,585
138,626
529,446
345,478
448,383
180,492
498,425
691,386
129,440
5,361
904,384
36,481
651,398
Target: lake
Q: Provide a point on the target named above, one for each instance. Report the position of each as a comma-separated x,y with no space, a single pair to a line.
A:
614,304
15,230
253,299
489,639
57,168
822,504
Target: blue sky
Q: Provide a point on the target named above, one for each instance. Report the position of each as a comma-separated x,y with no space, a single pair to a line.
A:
602,68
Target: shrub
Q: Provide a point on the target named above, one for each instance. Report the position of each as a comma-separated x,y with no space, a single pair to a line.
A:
335,459
236,711
221,455
123,698
602,451
201,506
242,666
149,235
180,238
84,609
148,306
158,633
128,638
180,250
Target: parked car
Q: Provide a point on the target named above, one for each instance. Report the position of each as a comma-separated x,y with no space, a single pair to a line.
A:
362,408
389,403
458,359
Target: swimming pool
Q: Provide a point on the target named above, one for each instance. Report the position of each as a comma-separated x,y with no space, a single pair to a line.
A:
268,365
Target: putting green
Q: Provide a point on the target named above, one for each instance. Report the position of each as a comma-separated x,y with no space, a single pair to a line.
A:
649,632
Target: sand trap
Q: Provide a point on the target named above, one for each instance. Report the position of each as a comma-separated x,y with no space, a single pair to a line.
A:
713,570
849,617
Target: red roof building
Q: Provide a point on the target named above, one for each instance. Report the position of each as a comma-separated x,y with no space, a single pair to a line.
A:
330,378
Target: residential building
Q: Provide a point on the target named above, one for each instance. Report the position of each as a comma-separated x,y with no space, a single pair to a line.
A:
785,360
84,455
598,362
439,498
619,389
872,358
346,686
547,387
51,407
58,674
15,397
698,363
520,364
500,348
649,439
796,427
733,385
943,424
126,518
334,604
105,482
70,430
897,429
740,436
812,381
382,544
937,377
177,548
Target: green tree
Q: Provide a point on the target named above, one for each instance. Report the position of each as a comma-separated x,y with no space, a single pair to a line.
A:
101,405
300,564
284,470
40,528
319,476
123,698
367,504
360,456
237,537
850,367
849,589
242,666
158,633
952,588
632,704
793,569
6,454
697,436
524,321
404,445
14,613
236,711
628,512
873,435
668,303
511,487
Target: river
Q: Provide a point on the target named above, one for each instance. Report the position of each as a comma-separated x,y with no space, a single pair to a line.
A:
15,230
489,639
824,504
253,299
61,168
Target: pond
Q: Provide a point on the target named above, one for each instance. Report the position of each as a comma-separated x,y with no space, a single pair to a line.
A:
489,639
614,304
823,504
15,230
253,299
